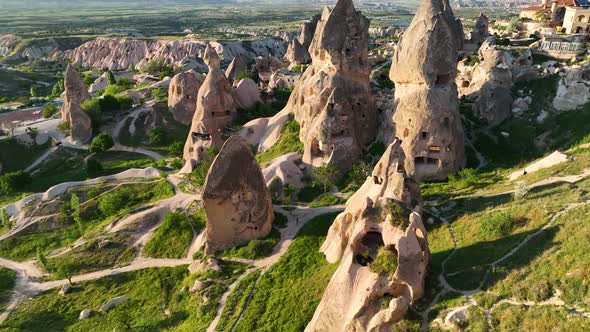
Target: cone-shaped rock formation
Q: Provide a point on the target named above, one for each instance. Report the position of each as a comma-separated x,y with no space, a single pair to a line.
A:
216,110
75,95
426,116
182,96
381,244
332,101
237,202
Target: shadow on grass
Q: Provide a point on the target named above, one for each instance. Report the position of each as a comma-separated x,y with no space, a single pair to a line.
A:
470,265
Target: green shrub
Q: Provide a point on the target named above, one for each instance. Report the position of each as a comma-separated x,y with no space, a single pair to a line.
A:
280,221
14,181
282,93
400,215
471,60
243,75
176,149
325,200
49,110
385,262
158,136
172,239
159,94
113,90
125,83
111,78
101,143
109,103
497,224
464,178
93,166
310,193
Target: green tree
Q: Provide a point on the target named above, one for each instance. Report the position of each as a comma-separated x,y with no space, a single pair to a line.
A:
326,175
101,143
14,181
5,218
49,110
41,259
113,90
175,149
57,89
158,136
66,269
92,107
244,74
359,173
93,166
542,16
75,206
111,78
87,79
288,191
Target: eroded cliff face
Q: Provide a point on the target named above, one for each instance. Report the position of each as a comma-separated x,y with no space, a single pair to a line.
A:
215,111
380,242
123,53
75,95
332,101
235,197
426,117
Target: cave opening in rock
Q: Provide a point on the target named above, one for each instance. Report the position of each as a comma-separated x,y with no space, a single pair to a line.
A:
368,248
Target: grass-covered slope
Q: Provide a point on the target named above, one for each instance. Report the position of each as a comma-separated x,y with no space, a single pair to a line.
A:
288,293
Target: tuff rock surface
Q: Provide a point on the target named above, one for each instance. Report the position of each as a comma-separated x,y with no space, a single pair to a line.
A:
75,95
426,117
216,110
235,197
381,220
246,93
573,89
332,100
239,64
182,95
488,83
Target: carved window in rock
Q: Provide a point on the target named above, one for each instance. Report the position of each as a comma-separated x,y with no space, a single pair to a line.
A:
426,161
446,123
366,251
424,135
406,132
434,148
465,84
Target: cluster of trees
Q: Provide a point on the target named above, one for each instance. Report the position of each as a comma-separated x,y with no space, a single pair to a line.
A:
14,181
158,68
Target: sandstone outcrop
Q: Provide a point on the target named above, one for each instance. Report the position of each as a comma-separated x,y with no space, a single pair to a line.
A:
241,63
124,53
216,110
235,197
263,133
297,54
99,84
426,117
380,242
488,83
264,67
246,93
573,89
75,95
308,31
480,31
182,96
332,100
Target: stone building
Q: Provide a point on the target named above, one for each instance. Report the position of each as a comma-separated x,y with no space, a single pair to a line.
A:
577,18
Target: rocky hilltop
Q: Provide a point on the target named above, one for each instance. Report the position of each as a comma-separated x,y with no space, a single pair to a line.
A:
123,53
380,242
426,117
235,197
72,113
332,101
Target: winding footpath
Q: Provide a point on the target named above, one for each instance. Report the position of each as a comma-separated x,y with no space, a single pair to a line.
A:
468,294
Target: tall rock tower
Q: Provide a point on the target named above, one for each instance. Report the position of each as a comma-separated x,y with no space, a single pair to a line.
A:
426,116
71,112
332,101
215,111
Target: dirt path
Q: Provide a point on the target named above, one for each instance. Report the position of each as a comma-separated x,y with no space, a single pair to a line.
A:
469,293
40,159
296,220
